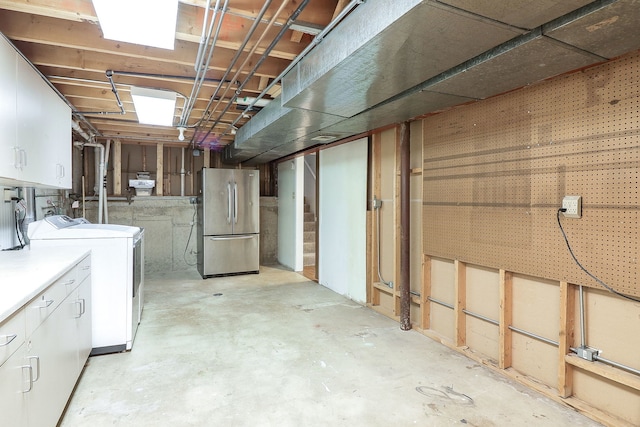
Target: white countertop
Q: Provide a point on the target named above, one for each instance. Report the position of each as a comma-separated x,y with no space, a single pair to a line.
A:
24,274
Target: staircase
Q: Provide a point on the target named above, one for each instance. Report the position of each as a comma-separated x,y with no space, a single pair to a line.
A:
309,250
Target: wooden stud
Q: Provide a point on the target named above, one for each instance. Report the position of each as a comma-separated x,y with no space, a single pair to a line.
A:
459,304
117,168
296,36
506,287
160,169
565,338
207,158
396,225
264,81
613,374
425,293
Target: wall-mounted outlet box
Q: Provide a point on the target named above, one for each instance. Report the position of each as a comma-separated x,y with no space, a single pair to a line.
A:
573,206
10,193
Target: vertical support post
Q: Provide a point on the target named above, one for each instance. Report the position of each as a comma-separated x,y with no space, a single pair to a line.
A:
376,191
506,315
460,303
117,168
425,292
405,224
160,169
207,158
565,338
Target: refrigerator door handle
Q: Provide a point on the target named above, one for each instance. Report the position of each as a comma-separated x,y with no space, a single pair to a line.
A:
228,203
235,202
243,237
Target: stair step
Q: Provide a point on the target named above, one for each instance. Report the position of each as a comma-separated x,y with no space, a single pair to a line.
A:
309,237
309,259
309,247
309,226
309,216
307,208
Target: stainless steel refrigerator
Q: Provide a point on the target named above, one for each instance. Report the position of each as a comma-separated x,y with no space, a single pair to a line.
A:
228,224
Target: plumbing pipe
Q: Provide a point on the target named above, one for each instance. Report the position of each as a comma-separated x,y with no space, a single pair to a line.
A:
104,182
405,237
377,204
76,126
247,59
182,174
100,175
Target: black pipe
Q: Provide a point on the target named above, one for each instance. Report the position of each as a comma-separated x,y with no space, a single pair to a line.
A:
405,240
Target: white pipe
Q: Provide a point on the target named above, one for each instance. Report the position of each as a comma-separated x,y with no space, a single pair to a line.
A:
100,174
104,182
75,126
182,174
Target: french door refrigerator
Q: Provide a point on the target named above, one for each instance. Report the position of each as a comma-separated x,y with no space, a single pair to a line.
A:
228,224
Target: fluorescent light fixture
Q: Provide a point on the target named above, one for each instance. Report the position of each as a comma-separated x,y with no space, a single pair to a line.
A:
145,22
153,106
247,100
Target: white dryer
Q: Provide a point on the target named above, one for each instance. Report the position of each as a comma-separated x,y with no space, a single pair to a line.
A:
117,274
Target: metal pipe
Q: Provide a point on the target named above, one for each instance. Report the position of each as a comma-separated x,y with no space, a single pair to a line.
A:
616,364
114,89
534,336
101,174
377,204
405,227
481,317
583,339
442,303
239,51
182,174
246,61
316,40
203,36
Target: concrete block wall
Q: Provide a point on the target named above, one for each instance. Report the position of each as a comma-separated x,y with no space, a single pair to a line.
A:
168,224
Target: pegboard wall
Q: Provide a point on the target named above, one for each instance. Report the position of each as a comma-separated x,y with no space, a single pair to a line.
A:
495,173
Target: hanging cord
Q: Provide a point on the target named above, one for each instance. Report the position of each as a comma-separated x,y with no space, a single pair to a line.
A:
377,204
600,282
193,222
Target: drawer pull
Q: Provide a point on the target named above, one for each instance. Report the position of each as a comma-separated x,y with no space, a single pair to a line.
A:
30,369
70,282
85,267
8,339
81,307
37,358
47,303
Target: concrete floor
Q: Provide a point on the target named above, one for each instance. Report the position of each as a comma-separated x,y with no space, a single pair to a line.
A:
275,349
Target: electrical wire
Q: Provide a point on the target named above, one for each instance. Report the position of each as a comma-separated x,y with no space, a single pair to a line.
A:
193,222
600,282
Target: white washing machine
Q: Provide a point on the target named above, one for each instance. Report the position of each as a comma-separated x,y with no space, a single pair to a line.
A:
117,274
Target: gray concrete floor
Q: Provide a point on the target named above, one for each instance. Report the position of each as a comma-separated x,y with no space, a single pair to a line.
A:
275,349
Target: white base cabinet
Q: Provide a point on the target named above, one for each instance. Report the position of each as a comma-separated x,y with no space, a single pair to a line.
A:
37,380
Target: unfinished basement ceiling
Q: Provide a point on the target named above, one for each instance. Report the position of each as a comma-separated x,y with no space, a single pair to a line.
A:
383,63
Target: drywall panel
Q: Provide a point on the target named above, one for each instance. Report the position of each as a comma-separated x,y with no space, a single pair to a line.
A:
535,359
342,219
442,321
495,173
613,398
612,326
536,306
483,337
290,213
483,291
442,280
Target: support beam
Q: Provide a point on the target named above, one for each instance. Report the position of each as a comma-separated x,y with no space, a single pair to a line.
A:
460,303
207,158
117,168
565,338
405,221
160,170
506,315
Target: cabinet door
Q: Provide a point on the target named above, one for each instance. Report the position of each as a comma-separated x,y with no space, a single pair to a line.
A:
7,110
12,391
83,322
29,111
52,353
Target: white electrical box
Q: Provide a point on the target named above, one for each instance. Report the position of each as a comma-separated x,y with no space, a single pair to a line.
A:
573,206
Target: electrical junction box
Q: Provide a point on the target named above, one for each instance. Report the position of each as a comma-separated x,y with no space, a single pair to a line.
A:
573,206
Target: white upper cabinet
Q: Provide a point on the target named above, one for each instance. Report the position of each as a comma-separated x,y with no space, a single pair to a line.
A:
37,150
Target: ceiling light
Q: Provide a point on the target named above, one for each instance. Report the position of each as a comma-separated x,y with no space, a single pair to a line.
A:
153,106
145,22
248,100
181,129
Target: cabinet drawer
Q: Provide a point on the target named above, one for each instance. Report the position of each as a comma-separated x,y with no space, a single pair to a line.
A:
12,333
84,269
45,303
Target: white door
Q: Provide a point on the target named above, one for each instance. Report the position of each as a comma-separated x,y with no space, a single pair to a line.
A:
342,219
290,213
